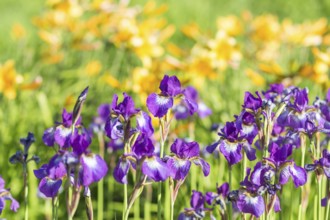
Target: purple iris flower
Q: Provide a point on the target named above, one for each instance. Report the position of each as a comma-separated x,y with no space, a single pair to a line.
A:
184,154
251,102
274,93
6,195
120,116
301,117
232,142
190,104
143,154
323,164
51,176
144,125
64,135
248,199
247,126
219,198
197,210
159,104
126,108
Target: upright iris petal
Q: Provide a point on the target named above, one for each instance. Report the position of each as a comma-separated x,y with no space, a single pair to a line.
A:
170,85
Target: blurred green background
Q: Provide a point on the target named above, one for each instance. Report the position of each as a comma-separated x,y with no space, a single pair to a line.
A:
37,110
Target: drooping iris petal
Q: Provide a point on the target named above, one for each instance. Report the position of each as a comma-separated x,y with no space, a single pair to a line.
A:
204,165
50,187
170,85
144,125
178,168
94,168
203,111
48,137
250,152
62,136
297,173
56,168
181,111
231,151
211,148
277,204
14,204
248,204
121,170
104,111
41,172
155,169
158,105
191,104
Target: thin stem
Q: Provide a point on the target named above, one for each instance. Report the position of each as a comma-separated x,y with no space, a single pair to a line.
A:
89,208
319,192
303,151
100,186
26,192
230,187
125,201
135,194
159,187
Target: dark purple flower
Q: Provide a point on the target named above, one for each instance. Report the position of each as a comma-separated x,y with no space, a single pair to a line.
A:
126,108
231,144
184,154
50,187
98,123
323,164
251,102
298,174
170,86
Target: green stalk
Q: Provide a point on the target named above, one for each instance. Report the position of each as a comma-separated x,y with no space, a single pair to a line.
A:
26,192
159,187
89,207
303,151
100,186
172,197
54,208
230,187
125,202
135,194
147,203
319,197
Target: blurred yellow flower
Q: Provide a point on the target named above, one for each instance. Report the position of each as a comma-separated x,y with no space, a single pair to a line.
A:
265,28
230,24
18,32
255,77
8,79
93,68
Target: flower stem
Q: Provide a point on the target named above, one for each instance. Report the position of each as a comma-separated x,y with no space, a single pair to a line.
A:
138,188
100,187
89,207
26,192
230,187
159,187
54,208
125,201
303,151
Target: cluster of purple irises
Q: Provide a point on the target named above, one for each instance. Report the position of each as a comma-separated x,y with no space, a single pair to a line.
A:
276,122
